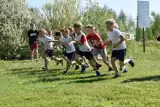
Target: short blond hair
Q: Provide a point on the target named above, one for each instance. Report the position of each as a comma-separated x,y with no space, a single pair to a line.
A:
43,30
110,21
78,24
90,26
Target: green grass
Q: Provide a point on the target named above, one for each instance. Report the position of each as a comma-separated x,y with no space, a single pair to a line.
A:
23,84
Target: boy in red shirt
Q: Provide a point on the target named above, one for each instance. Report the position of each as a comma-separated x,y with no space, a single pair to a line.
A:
96,42
84,47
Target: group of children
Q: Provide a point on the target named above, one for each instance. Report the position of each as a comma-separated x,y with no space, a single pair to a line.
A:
79,47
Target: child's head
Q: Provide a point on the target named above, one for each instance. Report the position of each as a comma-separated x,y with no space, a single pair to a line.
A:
32,26
42,32
71,31
63,31
77,27
57,35
66,32
110,24
50,33
89,29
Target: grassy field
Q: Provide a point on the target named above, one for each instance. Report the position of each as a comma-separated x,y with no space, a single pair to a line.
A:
23,84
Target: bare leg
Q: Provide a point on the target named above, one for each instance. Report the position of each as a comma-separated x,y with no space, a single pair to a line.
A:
77,60
46,62
113,61
68,65
31,54
36,54
106,62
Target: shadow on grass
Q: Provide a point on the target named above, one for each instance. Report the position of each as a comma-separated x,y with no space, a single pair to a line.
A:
55,75
89,80
78,79
151,78
29,72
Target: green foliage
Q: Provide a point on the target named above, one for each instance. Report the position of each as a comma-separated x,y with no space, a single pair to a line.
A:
97,16
138,34
14,20
155,25
148,34
61,13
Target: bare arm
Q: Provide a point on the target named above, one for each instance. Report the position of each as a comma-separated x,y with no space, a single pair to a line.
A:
122,39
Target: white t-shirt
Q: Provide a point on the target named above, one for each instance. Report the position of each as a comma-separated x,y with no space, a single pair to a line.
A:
114,36
45,40
69,48
83,47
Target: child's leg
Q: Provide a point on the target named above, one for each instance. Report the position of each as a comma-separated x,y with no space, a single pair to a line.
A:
113,61
68,65
93,64
123,62
31,53
84,66
46,63
77,60
85,61
103,54
36,54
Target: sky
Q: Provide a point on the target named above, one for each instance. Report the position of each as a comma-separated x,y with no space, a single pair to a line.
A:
129,6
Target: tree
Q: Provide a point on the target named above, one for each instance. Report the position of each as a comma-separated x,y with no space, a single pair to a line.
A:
97,16
155,25
15,18
61,13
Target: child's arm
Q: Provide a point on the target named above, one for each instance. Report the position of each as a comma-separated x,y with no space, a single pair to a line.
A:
55,41
108,42
122,39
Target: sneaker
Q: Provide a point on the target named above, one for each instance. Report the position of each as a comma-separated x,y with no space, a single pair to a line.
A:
77,67
131,62
98,73
83,68
110,69
98,66
117,75
125,71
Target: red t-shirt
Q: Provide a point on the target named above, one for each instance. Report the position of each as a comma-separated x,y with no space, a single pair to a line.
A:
95,37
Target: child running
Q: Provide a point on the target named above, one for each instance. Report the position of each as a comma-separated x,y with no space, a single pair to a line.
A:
96,42
117,40
84,48
70,50
48,48
83,59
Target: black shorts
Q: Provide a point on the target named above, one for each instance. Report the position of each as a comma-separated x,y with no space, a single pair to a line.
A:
49,53
77,48
86,54
119,54
70,56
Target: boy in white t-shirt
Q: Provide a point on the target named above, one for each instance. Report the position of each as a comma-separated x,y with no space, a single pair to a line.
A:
84,48
70,50
48,48
117,40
